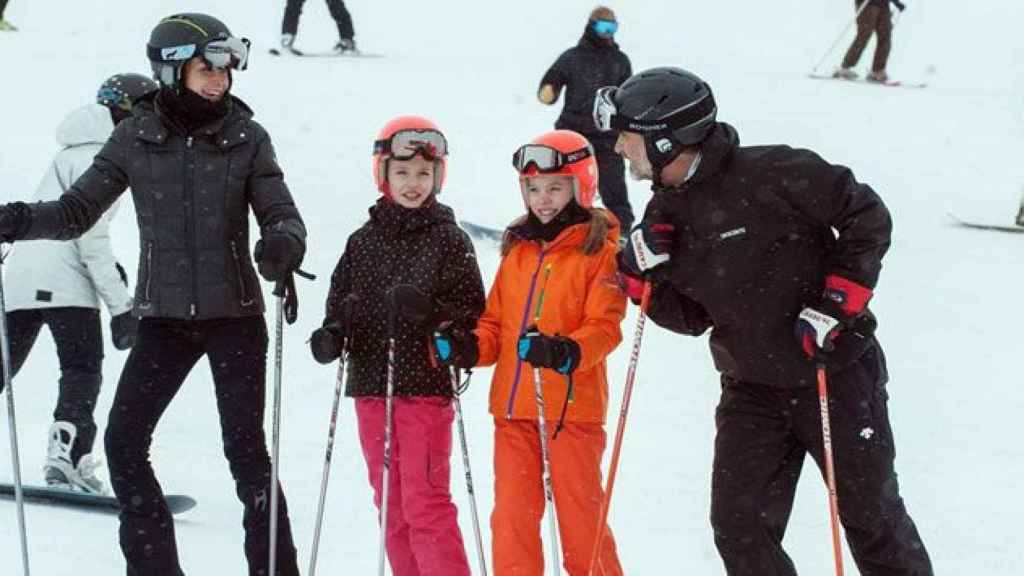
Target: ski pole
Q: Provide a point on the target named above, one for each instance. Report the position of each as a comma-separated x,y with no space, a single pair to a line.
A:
830,472
327,462
469,474
5,349
863,5
388,400
279,292
549,495
627,394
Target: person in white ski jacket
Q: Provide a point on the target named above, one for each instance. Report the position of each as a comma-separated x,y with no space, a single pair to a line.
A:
61,284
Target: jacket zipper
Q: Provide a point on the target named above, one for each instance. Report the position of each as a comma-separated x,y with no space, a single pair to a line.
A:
522,327
241,281
149,275
190,221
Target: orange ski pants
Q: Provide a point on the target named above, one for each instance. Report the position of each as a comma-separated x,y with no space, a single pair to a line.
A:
519,498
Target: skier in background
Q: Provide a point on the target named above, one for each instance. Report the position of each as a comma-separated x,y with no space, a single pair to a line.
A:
197,163
595,61
346,34
875,18
60,285
5,26
760,244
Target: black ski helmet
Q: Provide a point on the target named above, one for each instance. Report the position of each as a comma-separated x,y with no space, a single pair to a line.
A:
670,107
122,91
178,38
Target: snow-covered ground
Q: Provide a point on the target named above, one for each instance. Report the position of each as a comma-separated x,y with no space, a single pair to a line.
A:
948,300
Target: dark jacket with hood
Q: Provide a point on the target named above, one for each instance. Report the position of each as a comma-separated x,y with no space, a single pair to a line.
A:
423,247
593,63
757,230
193,181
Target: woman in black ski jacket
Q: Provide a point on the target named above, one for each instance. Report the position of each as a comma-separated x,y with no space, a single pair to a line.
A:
196,163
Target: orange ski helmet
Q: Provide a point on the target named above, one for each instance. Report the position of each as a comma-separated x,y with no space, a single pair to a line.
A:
404,137
560,153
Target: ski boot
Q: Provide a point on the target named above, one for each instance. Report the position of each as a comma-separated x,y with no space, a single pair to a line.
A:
845,74
287,44
59,471
346,46
1020,216
878,76
6,26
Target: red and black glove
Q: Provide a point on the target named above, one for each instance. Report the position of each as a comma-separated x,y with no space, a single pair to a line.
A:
818,326
648,246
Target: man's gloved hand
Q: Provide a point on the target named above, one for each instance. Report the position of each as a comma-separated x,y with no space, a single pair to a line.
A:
648,246
123,329
555,352
416,306
818,326
278,254
899,5
456,347
15,218
632,286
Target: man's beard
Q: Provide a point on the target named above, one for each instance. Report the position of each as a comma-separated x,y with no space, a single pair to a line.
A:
640,171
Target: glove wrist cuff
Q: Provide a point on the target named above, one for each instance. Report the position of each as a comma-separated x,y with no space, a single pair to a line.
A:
850,297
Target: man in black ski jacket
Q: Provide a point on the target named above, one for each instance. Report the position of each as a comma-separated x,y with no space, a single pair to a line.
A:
595,61
196,163
760,244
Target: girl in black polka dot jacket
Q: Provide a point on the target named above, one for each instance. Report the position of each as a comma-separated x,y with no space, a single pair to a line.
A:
410,262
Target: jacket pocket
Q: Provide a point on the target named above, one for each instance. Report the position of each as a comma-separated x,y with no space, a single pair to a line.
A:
243,291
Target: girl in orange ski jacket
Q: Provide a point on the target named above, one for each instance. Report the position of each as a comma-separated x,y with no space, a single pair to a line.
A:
554,305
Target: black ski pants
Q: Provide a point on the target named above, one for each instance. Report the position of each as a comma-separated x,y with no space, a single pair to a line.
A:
764,433
3,6
612,181
338,11
163,355
79,339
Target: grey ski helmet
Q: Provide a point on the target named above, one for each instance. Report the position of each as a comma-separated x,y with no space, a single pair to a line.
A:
122,91
181,37
670,107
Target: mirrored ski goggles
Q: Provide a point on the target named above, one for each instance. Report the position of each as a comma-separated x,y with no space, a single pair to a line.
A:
545,158
606,28
222,53
405,144
607,118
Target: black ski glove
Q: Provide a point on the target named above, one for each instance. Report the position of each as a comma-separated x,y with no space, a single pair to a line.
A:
842,306
899,5
456,347
416,306
328,342
648,246
15,218
555,352
123,329
279,254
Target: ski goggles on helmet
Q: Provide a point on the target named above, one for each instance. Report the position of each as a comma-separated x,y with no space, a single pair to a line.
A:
405,144
220,53
546,159
606,28
114,98
607,118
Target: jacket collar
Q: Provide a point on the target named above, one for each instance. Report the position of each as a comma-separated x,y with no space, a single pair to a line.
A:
153,125
396,220
715,154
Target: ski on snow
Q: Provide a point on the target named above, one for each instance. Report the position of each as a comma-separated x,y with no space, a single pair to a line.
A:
479,232
325,54
985,225
86,501
886,84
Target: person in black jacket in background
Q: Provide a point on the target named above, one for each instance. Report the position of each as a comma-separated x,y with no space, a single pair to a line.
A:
196,162
595,61
758,244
